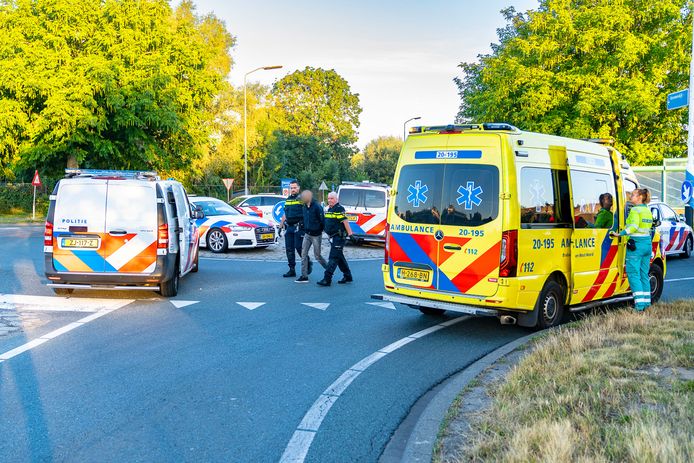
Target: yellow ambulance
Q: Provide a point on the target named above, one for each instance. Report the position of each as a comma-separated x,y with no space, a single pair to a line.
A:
487,219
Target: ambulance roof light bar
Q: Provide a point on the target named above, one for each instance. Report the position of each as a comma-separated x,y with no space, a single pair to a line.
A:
113,174
458,128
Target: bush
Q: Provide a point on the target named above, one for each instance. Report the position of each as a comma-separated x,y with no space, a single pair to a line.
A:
16,198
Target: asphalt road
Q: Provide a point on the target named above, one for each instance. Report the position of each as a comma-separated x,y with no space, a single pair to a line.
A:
215,381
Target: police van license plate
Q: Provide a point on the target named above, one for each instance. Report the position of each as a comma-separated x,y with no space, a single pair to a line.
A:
352,217
83,243
267,236
413,275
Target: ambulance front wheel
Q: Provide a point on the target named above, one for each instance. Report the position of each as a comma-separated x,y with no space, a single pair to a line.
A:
431,311
550,306
656,278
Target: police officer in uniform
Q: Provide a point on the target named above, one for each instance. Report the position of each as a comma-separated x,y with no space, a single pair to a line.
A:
337,227
638,229
292,222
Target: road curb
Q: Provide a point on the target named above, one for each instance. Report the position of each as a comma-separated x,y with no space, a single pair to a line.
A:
415,438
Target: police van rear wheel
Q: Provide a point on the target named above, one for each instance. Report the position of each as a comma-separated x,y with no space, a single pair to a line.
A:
550,306
217,241
655,276
170,288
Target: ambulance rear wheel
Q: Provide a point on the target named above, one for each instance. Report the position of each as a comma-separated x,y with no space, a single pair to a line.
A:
550,306
431,311
655,276
63,291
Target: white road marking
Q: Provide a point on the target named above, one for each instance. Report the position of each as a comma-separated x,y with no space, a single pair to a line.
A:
679,279
62,330
387,305
250,305
21,302
316,305
181,304
301,440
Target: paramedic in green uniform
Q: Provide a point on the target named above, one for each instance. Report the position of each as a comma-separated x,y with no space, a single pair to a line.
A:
638,260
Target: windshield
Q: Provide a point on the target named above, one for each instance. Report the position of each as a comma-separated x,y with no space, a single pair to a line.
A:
238,200
375,198
213,207
349,197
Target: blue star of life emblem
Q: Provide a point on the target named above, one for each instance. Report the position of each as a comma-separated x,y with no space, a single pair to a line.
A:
469,195
417,193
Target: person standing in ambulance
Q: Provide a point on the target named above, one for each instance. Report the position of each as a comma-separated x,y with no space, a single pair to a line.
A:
638,228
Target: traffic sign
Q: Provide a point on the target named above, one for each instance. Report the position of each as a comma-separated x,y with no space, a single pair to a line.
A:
323,186
678,100
228,183
278,211
687,190
37,180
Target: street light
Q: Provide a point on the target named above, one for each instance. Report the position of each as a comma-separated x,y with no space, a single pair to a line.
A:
404,126
245,125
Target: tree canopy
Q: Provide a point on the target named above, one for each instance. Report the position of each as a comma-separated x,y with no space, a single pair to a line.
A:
582,68
107,83
378,160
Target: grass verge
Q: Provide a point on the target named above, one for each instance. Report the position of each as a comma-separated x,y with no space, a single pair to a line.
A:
612,387
13,219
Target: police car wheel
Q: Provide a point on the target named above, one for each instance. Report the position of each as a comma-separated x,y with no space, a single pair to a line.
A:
217,241
656,278
550,306
431,311
687,252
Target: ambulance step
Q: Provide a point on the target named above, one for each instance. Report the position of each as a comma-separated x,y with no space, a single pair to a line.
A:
593,304
107,287
449,306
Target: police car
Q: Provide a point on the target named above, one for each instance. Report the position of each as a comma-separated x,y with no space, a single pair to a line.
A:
675,235
261,205
224,227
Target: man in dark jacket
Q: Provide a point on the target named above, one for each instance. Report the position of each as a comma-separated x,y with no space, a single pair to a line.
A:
337,227
293,223
313,228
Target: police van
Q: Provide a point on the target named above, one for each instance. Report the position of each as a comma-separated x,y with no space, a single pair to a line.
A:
366,207
486,219
123,230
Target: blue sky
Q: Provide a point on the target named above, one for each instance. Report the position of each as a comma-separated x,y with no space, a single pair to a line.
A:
400,56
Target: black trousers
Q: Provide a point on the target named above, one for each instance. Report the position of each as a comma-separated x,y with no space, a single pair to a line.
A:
337,258
293,240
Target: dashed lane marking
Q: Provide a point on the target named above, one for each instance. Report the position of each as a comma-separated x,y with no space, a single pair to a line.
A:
303,436
22,302
679,279
115,305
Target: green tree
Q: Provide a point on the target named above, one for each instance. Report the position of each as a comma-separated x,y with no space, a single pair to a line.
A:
107,83
317,118
378,160
579,68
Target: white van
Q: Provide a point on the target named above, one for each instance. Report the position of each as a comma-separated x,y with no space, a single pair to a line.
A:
366,207
119,230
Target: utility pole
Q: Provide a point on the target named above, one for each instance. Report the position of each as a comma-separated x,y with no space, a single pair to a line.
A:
689,176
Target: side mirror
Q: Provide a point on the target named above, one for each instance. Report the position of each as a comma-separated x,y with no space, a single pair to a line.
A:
198,213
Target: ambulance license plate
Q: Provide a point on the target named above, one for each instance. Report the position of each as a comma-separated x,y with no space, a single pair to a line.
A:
267,236
83,243
414,275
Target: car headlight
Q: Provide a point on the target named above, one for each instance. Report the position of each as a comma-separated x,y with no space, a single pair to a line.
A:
237,228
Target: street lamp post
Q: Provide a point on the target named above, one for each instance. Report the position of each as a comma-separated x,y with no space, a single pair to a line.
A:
404,126
245,124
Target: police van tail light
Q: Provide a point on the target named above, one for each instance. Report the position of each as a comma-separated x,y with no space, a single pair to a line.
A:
48,234
509,253
386,248
163,236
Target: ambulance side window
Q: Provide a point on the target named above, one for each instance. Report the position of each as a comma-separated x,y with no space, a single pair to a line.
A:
418,197
587,188
537,198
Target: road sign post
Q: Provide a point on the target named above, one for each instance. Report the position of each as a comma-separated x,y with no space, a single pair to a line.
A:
323,187
36,181
228,183
689,176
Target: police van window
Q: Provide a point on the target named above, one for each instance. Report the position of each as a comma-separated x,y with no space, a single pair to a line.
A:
418,197
587,187
470,195
374,198
349,197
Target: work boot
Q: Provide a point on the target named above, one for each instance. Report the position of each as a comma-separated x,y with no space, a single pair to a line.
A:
301,279
323,282
291,273
345,279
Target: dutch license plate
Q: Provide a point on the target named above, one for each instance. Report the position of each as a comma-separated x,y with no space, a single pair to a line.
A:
413,275
352,217
267,236
84,243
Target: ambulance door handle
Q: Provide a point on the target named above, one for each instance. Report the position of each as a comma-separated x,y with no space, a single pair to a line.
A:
452,247
117,232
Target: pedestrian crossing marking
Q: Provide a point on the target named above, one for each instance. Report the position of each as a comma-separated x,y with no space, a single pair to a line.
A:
316,305
251,305
181,304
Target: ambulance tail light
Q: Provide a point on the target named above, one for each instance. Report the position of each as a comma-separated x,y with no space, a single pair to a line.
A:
163,236
509,254
48,234
386,248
